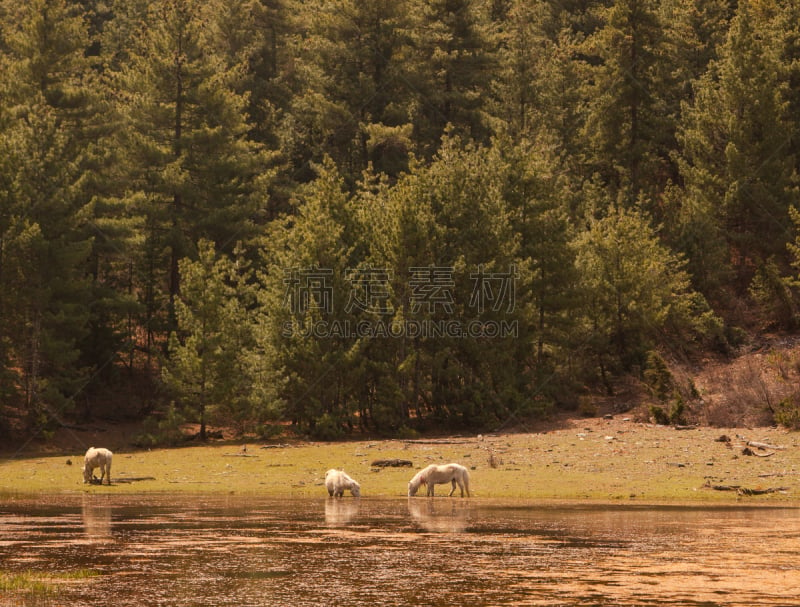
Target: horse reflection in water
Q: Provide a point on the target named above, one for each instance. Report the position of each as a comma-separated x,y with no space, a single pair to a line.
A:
97,521
440,517
340,512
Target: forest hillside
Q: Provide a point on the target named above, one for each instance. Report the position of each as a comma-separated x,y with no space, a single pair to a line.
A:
396,216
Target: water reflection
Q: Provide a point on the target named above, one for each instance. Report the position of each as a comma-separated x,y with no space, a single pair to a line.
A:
440,516
96,520
339,510
235,551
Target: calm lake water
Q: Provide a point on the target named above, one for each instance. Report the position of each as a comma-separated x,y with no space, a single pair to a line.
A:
246,551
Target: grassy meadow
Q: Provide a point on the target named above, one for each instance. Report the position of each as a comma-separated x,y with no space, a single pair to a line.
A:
582,460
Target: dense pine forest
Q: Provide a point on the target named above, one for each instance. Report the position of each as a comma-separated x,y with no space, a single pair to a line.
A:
386,215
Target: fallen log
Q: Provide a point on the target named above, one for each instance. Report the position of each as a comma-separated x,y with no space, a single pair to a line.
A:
133,479
708,485
436,441
744,490
749,451
391,463
758,445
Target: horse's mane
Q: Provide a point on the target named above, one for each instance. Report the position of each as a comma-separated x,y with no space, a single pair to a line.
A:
420,477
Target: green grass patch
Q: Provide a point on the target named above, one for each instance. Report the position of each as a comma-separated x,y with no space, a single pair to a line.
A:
40,585
26,582
591,460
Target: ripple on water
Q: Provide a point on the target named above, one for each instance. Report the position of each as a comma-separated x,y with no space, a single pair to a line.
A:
228,551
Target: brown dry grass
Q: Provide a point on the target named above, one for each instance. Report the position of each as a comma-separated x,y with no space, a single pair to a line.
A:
746,390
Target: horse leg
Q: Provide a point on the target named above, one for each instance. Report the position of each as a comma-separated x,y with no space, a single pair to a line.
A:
453,481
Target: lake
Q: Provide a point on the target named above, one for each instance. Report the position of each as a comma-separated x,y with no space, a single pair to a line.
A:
239,551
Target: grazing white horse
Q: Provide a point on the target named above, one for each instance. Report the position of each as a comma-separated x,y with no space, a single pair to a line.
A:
97,457
337,482
439,475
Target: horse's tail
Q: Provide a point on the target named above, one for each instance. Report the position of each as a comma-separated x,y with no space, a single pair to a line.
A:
466,482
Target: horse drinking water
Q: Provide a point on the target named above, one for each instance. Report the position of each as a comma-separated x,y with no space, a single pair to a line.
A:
440,475
97,457
337,482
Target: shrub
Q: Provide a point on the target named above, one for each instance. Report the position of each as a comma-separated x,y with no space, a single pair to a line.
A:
787,413
586,407
658,415
267,431
675,416
162,431
327,428
657,376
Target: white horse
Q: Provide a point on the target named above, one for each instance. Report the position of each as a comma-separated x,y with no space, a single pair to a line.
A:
439,475
337,482
97,458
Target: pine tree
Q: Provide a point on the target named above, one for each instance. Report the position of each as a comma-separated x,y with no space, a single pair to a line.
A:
739,178
539,91
304,295
208,369
399,226
519,80
193,173
786,27
352,79
453,63
549,288
444,237
636,289
623,128
48,123
694,30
